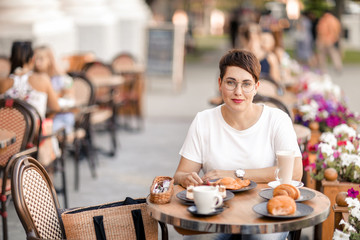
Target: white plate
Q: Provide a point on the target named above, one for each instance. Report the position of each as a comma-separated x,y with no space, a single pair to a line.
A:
274,184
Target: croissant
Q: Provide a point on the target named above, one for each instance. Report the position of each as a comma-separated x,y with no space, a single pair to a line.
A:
281,206
231,183
287,190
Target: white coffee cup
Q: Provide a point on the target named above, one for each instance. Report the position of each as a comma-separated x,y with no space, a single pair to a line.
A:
285,164
206,199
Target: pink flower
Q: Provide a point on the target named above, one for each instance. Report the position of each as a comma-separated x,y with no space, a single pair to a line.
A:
341,143
336,154
310,167
352,193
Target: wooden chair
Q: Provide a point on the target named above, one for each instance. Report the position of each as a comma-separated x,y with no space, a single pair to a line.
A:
108,100
36,202
16,117
132,91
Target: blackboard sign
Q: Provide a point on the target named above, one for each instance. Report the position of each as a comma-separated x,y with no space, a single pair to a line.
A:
160,51
165,52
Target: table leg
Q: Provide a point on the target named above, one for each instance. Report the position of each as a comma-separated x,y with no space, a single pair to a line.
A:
295,235
164,231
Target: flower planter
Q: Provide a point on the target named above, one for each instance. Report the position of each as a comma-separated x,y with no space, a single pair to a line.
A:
331,189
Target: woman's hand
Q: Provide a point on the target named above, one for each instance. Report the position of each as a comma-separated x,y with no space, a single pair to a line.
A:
187,173
190,179
216,174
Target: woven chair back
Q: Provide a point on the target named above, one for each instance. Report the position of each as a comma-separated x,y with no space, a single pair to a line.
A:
15,117
272,102
94,69
35,199
83,90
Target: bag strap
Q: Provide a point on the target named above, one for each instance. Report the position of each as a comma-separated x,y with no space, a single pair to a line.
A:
99,228
137,220
138,224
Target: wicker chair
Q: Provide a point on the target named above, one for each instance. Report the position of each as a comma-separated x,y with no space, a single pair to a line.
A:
269,87
132,91
82,136
36,202
16,117
107,98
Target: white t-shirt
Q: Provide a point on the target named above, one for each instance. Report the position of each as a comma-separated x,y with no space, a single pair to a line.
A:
216,145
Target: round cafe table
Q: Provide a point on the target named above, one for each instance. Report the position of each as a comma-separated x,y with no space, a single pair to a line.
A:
6,138
238,216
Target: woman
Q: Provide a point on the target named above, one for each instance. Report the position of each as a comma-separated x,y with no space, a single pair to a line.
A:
44,63
238,137
263,50
24,84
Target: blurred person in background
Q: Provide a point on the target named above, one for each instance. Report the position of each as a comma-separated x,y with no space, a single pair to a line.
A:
328,31
304,40
44,63
23,83
263,48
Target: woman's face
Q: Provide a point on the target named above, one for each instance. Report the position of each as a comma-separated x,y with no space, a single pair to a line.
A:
241,97
42,61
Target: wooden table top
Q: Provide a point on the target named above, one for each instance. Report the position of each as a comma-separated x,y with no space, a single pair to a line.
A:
107,81
135,69
6,138
238,216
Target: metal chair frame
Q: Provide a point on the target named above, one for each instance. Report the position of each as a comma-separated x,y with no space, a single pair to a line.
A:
83,122
107,102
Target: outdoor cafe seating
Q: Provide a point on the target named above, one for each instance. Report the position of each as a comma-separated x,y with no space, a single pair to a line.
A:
36,203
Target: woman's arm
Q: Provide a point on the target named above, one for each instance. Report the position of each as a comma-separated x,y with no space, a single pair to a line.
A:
52,101
187,173
298,169
261,175
274,67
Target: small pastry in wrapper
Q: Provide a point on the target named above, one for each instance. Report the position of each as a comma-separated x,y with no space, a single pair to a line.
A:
190,192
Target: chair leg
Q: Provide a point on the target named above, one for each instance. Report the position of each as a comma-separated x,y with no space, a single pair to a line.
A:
77,146
63,176
4,216
90,155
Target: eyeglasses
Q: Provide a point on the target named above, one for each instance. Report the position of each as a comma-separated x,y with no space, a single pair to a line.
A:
231,85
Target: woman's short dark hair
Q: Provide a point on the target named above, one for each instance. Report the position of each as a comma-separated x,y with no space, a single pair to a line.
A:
21,53
242,59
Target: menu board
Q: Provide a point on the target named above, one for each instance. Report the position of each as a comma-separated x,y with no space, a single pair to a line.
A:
165,52
160,51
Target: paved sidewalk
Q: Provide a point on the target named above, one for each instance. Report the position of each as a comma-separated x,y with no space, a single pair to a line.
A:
154,151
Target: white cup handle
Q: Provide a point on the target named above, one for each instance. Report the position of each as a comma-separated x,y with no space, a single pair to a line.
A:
277,174
218,201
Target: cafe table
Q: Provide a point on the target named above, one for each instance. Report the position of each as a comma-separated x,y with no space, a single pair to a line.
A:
6,138
107,81
238,216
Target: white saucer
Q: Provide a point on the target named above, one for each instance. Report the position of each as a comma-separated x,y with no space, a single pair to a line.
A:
274,184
